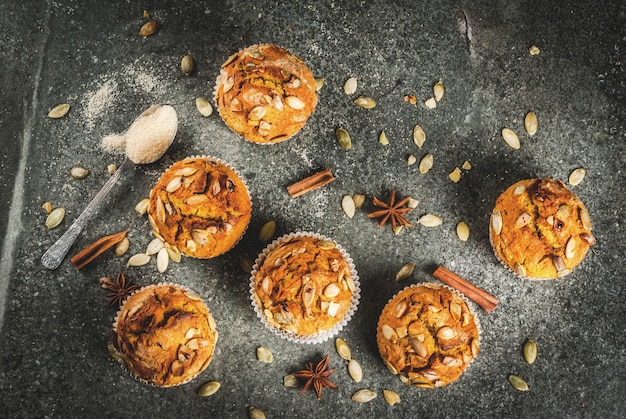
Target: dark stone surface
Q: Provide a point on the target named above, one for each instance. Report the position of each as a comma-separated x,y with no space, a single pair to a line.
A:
54,329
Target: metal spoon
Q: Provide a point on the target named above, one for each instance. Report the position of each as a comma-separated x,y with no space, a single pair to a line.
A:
141,146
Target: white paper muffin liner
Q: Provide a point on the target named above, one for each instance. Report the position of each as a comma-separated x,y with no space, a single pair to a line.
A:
114,328
222,162
321,336
438,285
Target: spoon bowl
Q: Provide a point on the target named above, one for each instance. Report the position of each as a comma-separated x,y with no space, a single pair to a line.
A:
147,139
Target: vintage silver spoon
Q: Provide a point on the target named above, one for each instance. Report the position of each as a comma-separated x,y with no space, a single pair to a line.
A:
147,139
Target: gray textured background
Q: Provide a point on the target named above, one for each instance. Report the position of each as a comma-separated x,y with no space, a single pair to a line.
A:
54,327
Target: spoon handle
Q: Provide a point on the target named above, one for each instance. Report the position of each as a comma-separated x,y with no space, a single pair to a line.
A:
55,254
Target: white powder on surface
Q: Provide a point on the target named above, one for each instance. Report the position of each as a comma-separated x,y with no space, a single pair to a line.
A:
114,143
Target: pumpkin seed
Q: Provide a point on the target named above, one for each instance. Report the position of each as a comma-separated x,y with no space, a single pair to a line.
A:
413,203
47,206
255,413
149,28
419,136
426,163
319,83
204,106
343,138
430,220
576,176
530,351
534,50
122,246
391,397
267,231
518,382
405,271
348,206
342,349
511,138
382,138
430,103
365,102
294,102
142,206
350,86
246,264
55,217
162,260
59,111
467,165
139,259
208,389
79,172
187,64
359,200
496,222
411,160
154,247
462,231
112,168
355,371
263,354
363,395
455,175
438,90
530,123
290,381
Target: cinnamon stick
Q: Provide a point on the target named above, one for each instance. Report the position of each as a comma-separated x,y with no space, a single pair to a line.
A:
310,183
92,251
471,291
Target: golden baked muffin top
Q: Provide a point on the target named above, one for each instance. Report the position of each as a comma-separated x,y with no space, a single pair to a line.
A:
265,94
304,286
165,335
427,335
540,229
201,206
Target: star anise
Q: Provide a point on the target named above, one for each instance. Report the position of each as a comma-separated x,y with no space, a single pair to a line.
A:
316,376
393,211
120,289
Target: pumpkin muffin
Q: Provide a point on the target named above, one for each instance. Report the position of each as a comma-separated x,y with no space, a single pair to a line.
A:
539,229
427,335
201,206
265,94
164,334
304,287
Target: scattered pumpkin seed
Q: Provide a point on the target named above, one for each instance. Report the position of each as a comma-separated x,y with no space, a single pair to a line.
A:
534,50
255,413
154,246
413,203
405,271
467,165
79,172
59,111
187,65
355,371
438,90
47,206
511,138
208,389
122,246
382,138
263,354
290,381
359,200
419,136
363,395
411,160
343,138
430,220
319,83
455,175
391,397
348,206
462,231
267,231
55,217
162,260
246,264
518,382
576,176
204,106
139,259
149,28
530,351
426,163
112,168
142,206
530,123
397,229
365,102
350,86
430,103
343,349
